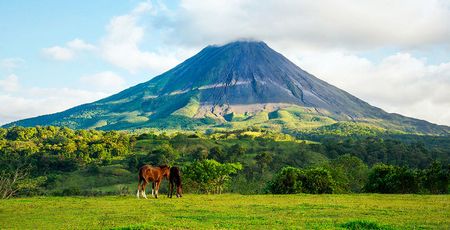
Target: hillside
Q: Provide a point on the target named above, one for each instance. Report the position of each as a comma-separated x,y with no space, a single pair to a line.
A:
240,84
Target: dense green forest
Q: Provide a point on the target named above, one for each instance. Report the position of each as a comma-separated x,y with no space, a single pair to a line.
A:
60,161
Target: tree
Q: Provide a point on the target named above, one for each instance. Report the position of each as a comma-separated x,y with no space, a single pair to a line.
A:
217,153
235,152
349,172
317,181
286,181
392,179
20,133
263,160
293,180
200,153
11,178
164,155
436,178
210,176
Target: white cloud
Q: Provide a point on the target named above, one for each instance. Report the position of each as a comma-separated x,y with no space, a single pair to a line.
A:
120,46
10,64
142,8
106,81
19,102
78,44
9,84
38,101
399,83
58,53
323,23
67,52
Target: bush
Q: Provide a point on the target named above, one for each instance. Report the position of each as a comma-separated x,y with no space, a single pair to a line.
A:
436,177
287,181
318,181
292,180
349,172
210,176
392,179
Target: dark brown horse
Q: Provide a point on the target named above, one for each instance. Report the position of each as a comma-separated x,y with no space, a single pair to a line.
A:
147,174
175,179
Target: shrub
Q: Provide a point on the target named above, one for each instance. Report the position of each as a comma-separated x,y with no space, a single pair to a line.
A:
317,181
292,180
392,179
436,178
287,181
210,176
349,172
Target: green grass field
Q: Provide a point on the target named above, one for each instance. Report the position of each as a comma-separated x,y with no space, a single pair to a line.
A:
364,211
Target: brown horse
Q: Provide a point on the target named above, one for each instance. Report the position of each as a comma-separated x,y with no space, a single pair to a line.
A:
175,179
147,174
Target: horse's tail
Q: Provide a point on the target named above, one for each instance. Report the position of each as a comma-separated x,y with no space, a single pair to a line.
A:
176,175
140,179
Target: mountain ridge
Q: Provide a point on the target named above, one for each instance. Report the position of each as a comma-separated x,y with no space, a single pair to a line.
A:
238,79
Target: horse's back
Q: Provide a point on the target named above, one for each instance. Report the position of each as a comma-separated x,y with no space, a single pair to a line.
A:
175,171
150,173
145,172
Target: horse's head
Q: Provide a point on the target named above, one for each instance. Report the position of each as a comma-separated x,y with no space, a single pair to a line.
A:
165,171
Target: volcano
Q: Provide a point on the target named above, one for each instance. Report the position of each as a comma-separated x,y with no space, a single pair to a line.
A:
240,84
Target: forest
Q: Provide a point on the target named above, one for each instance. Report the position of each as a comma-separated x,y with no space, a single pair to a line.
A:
60,161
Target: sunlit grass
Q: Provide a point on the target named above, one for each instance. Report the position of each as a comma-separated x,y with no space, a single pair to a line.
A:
229,211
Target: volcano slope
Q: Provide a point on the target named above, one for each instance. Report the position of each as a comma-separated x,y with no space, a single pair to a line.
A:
237,85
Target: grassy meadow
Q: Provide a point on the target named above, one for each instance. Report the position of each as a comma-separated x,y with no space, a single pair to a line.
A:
302,211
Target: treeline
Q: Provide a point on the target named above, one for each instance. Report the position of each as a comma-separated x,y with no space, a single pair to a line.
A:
418,153
53,148
381,178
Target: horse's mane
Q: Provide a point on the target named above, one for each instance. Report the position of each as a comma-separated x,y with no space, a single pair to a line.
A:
164,166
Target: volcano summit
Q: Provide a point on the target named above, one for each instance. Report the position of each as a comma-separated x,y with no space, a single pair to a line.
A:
243,83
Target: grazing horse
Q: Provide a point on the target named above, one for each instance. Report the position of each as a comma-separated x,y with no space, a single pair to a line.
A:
147,174
175,179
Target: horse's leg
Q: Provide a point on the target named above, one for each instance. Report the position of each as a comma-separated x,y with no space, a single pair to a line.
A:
139,188
139,185
143,189
170,189
153,189
178,191
157,188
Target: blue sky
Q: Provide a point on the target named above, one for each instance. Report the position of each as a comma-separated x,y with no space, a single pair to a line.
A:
58,54
30,26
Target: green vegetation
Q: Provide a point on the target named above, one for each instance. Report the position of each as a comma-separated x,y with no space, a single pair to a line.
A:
61,161
190,109
381,179
226,211
395,179
209,175
291,180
